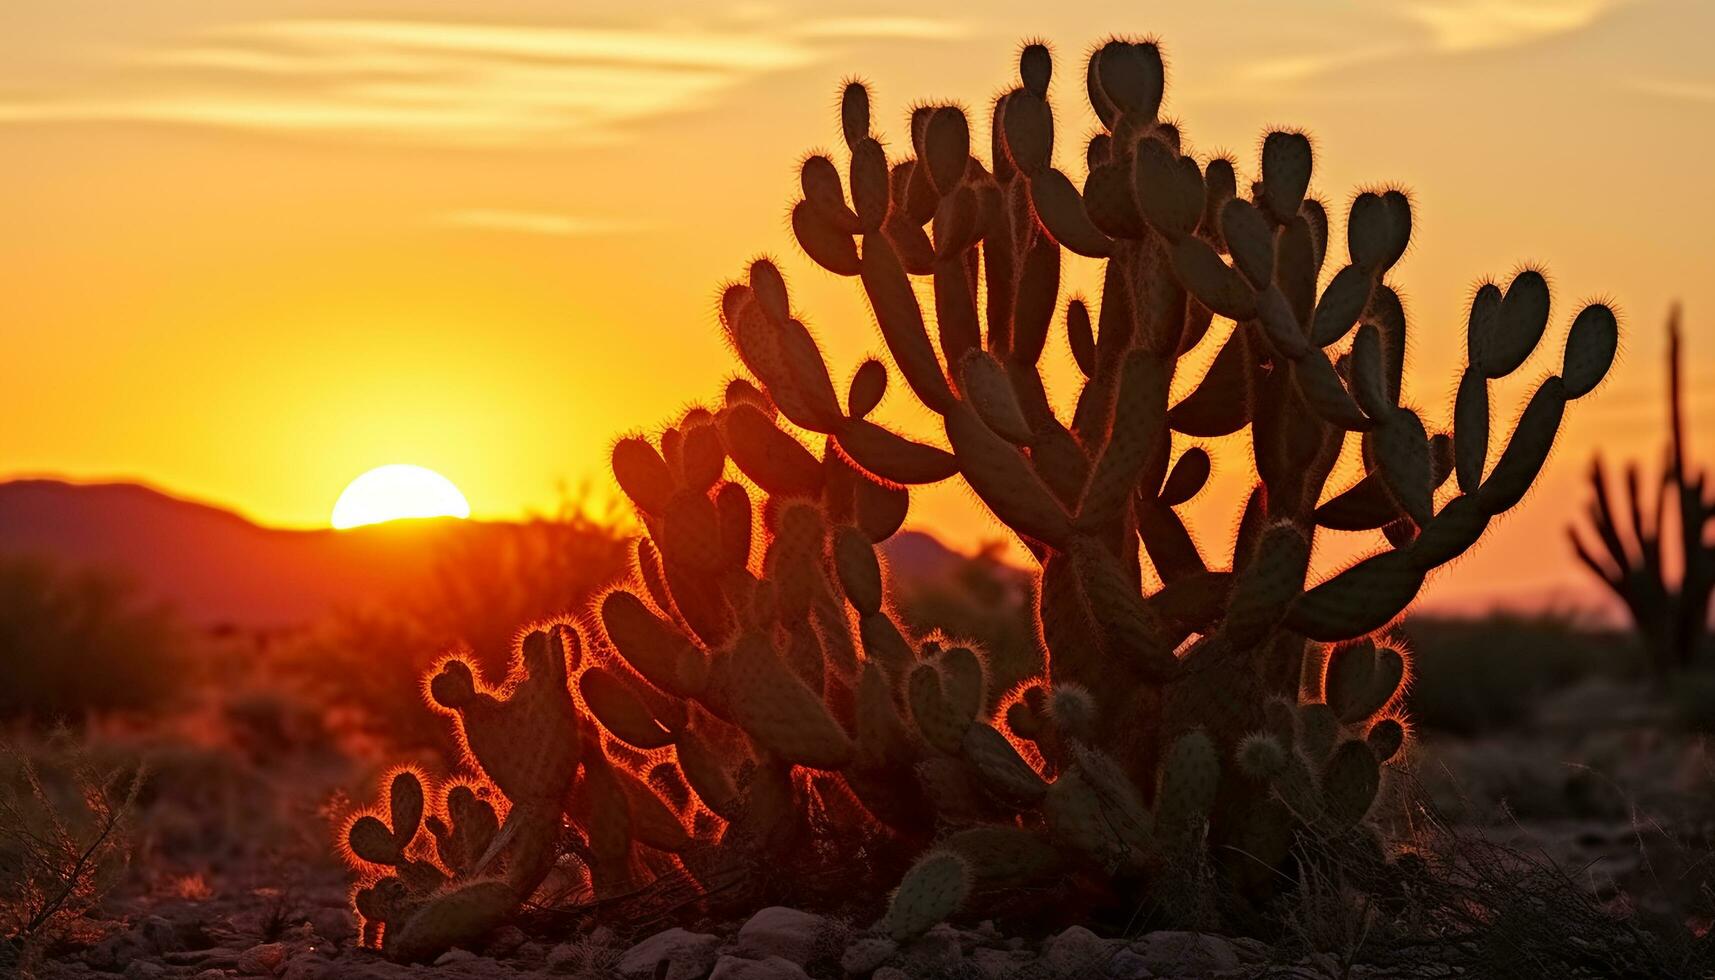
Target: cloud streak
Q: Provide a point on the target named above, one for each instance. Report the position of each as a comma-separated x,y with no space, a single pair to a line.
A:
451,83
530,222
1438,28
1476,25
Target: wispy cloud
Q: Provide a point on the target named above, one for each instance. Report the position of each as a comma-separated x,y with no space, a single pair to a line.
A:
1285,69
1437,28
1473,25
530,222
443,82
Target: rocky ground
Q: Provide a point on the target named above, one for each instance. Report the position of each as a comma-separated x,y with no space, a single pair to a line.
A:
774,944
1601,781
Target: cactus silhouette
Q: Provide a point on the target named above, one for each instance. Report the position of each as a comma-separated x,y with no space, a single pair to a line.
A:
1673,617
751,702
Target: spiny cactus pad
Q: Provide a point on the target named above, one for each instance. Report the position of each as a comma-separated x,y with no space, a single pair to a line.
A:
751,709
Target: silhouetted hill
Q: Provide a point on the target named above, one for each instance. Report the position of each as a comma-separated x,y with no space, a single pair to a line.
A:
217,567
212,564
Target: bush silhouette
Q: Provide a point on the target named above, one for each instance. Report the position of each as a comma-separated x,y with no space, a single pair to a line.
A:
76,641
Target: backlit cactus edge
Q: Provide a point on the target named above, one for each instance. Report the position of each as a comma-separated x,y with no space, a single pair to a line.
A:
752,690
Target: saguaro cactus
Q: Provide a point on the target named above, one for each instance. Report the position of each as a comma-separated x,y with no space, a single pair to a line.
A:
750,703
1633,560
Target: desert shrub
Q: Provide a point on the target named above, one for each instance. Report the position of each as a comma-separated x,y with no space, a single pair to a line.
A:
76,641
1692,694
981,598
65,824
365,662
268,724
1488,674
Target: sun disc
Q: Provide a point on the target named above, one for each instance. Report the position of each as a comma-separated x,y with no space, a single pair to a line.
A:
396,491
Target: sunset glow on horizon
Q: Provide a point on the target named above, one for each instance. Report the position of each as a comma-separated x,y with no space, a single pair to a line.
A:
286,241
395,492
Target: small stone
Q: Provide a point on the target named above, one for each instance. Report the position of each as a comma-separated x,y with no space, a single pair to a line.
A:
1127,965
160,934
144,970
452,956
688,956
211,973
998,964
867,953
890,973
784,932
1251,950
600,936
262,960
564,958
771,968
113,953
504,942
1171,953
936,951
335,924
531,952
310,967
1077,952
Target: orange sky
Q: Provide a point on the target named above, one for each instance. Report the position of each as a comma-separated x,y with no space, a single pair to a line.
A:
250,249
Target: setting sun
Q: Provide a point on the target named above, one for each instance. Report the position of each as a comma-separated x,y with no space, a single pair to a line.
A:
389,493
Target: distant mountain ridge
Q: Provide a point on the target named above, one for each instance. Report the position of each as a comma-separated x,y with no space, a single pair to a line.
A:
217,567
212,564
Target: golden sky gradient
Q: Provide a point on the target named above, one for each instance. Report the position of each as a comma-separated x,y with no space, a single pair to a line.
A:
252,249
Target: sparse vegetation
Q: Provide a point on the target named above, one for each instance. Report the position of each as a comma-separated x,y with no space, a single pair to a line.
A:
75,642
64,836
1479,675
366,662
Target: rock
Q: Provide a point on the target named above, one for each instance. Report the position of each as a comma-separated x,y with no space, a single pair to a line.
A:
1179,953
1077,952
935,952
565,958
211,973
503,942
262,960
787,933
310,966
1127,965
771,968
688,956
600,936
1251,950
113,953
144,970
335,924
452,956
865,954
160,934
531,952
218,958
998,964
890,973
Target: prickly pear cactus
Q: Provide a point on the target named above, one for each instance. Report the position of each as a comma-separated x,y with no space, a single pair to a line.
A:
750,701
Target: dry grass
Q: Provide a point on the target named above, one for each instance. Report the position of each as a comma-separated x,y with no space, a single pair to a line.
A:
65,837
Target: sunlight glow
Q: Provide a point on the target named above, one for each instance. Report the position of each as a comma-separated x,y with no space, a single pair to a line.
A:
388,493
